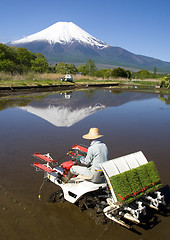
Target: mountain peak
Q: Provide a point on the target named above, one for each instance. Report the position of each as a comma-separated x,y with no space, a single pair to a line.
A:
63,33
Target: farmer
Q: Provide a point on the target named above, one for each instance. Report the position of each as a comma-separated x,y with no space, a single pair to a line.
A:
96,154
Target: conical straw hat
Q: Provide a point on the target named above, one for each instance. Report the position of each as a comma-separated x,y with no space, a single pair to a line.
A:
93,134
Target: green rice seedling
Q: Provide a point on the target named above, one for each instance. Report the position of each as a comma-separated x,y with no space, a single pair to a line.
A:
121,186
154,175
134,182
144,177
152,171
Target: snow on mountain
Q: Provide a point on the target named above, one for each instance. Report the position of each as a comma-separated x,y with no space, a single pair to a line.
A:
63,33
66,42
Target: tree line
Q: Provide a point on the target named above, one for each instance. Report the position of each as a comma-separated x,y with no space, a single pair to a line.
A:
20,60
89,68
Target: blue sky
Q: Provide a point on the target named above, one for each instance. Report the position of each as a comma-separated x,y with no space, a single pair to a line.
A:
139,26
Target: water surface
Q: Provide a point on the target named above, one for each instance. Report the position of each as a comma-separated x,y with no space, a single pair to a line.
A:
53,122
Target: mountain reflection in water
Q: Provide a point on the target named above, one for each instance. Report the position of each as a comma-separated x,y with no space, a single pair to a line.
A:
66,109
63,116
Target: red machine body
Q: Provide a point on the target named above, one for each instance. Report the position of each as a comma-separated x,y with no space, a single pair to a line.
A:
76,152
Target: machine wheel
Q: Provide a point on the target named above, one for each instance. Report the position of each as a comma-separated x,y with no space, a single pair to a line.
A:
91,206
56,197
100,220
91,213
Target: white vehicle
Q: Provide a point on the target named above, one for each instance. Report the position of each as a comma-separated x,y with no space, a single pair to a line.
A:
67,78
109,194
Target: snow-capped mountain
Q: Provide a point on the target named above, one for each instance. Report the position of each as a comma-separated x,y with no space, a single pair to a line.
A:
66,42
63,33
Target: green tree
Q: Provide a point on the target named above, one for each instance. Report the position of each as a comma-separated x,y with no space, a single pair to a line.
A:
90,67
82,69
119,72
72,69
155,70
19,60
7,66
60,68
165,82
129,74
3,51
7,52
24,58
104,73
142,74
7,59
66,68
39,65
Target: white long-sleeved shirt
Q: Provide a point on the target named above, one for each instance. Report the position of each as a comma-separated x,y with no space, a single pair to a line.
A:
96,154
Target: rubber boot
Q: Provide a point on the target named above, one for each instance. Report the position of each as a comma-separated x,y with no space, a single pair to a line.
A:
67,178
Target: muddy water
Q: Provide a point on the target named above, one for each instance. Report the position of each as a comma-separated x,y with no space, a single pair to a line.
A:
53,122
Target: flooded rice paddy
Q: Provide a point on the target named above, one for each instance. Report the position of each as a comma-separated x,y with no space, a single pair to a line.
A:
51,123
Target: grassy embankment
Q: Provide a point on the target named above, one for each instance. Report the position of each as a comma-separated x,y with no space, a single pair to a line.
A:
53,79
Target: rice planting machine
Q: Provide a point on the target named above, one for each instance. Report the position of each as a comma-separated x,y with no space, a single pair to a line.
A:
124,191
